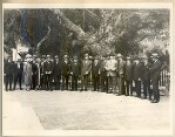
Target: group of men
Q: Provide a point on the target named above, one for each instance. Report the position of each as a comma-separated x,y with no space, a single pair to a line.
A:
112,74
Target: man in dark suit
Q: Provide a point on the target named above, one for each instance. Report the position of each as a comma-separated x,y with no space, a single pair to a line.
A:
8,70
103,81
137,76
57,73
42,72
155,77
18,73
86,68
96,73
65,72
48,65
128,70
35,73
75,72
145,77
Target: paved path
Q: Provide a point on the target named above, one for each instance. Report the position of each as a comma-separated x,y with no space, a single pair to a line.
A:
39,110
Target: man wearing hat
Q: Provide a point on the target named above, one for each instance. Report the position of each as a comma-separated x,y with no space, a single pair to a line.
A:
75,72
155,71
96,73
86,68
128,70
48,65
57,72
65,72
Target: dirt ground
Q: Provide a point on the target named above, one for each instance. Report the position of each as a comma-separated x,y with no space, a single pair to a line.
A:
86,110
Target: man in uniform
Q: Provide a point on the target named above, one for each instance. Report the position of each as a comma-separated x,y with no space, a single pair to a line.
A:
75,72
128,76
96,73
85,71
65,72
48,65
57,72
155,77
8,69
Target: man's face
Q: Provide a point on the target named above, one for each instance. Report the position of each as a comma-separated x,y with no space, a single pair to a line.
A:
9,60
57,59
75,60
86,57
96,61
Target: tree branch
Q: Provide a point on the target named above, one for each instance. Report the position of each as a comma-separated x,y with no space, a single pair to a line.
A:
44,38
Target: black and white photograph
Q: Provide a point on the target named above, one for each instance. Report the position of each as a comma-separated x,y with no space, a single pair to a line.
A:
86,69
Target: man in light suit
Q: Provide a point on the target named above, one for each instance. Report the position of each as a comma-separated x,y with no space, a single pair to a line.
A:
86,68
120,74
111,73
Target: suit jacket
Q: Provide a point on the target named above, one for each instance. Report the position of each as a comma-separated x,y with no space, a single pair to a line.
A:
34,69
155,70
48,67
57,68
128,71
9,68
96,69
144,69
136,71
42,67
65,68
18,68
75,68
120,67
86,67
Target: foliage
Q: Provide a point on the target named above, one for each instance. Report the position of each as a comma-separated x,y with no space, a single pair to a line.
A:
98,31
